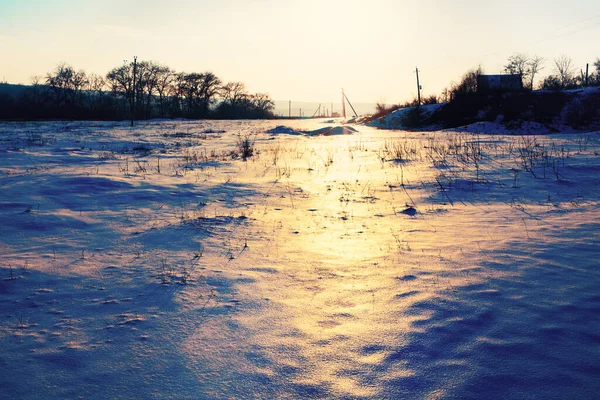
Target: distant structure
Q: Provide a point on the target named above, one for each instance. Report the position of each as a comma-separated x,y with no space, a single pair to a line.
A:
499,83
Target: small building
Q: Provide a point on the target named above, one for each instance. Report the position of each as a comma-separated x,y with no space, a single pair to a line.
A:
499,83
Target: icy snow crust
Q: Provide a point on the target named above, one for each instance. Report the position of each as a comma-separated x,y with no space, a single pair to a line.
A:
155,262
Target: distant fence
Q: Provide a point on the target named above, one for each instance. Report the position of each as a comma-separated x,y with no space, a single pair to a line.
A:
308,109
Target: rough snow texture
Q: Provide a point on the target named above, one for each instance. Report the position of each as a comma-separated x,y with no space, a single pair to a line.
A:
521,127
155,262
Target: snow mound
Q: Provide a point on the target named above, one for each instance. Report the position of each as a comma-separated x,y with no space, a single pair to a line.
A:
332,130
285,130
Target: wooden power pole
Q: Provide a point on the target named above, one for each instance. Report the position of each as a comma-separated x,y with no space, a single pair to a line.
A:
418,88
353,110
343,104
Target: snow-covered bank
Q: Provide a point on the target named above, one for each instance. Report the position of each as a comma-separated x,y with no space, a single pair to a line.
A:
540,112
154,262
401,118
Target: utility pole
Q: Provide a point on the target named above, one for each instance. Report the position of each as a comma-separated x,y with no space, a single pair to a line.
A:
418,88
353,110
290,110
587,70
343,104
134,89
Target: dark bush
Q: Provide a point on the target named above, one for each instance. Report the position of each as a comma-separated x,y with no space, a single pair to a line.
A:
584,113
551,82
414,118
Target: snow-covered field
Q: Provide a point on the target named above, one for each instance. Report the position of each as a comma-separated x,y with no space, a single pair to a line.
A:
155,262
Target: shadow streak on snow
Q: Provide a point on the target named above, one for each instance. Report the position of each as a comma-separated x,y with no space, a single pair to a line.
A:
533,334
90,314
91,192
94,331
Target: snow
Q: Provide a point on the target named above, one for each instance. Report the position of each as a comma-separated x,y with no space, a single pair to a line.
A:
154,262
327,130
520,128
333,130
281,129
394,120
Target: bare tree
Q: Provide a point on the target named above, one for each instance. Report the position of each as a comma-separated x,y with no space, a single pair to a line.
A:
96,83
148,79
58,81
164,78
194,93
95,89
518,64
177,92
35,82
210,88
262,103
66,84
233,93
521,64
564,70
80,80
534,66
120,80
192,84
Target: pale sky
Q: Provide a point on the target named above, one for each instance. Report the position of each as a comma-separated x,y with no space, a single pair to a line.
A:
301,50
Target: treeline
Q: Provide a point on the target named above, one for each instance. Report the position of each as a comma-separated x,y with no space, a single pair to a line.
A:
143,89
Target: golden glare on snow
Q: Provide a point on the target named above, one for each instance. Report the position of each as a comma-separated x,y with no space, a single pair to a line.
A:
378,264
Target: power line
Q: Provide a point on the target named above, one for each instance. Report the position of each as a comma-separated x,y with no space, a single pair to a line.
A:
570,33
577,22
546,38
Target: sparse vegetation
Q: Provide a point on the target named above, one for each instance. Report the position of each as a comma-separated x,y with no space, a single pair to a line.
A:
350,225
245,146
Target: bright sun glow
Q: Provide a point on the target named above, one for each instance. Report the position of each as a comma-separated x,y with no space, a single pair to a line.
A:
297,50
